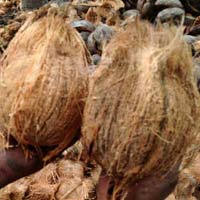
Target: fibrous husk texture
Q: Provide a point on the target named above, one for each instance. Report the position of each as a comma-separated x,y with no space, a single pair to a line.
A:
171,197
3,142
115,4
186,186
61,180
189,181
142,112
43,81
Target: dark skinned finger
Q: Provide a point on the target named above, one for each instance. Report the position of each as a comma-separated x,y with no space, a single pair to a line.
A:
148,188
15,165
102,188
154,188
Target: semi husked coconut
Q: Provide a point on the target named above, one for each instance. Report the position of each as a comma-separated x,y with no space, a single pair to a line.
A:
143,110
44,82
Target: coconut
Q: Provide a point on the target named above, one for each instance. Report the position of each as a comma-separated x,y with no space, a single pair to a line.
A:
62,180
143,109
43,82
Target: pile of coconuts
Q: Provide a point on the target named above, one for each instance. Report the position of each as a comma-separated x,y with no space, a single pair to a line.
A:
140,109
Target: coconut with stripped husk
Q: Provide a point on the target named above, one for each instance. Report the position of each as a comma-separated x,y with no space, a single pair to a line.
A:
62,180
44,82
143,109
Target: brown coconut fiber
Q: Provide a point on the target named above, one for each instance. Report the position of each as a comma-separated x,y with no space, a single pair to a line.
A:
61,180
43,82
143,109
189,181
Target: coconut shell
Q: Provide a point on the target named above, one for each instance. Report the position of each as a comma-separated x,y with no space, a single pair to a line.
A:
143,109
44,81
61,180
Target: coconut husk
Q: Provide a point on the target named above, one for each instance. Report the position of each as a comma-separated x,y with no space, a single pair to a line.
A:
61,180
115,4
194,168
101,14
8,9
3,142
43,82
143,110
185,187
189,182
7,33
106,11
171,197
11,19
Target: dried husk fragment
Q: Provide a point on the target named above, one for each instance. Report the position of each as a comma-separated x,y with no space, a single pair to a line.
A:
11,19
7,33
196,46
143,110
115,4
189,182
102,10
8,10
43,82
171,197
103,13
61,180
3,142
186,186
